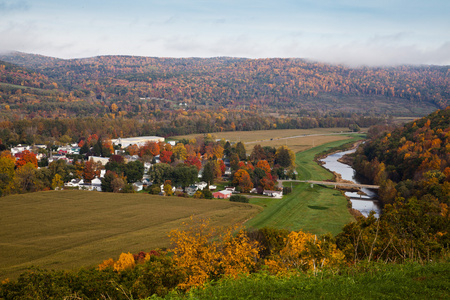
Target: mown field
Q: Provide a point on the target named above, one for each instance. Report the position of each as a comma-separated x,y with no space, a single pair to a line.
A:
296,139
316,209
70,229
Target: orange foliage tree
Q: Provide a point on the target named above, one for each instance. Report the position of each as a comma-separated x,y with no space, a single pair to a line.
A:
26,157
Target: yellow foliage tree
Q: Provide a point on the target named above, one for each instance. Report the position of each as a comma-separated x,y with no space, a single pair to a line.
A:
57,182
125,261
304,251
203,258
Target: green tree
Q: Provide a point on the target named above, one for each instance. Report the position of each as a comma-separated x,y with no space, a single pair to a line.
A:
159,173
208,172
184,175
285,157
107,181
134,171
240,151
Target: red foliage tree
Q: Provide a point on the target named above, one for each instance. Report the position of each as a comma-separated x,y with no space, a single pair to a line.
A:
26,157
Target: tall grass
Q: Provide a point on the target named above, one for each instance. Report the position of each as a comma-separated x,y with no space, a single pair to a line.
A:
374,281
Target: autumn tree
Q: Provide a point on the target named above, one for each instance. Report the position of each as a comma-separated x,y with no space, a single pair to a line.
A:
179,151
203,258
26,157
7,173
25,179
242,179
305,251
57,182
165,156
91,170
192,160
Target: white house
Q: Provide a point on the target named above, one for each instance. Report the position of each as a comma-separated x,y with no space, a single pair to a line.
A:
275,194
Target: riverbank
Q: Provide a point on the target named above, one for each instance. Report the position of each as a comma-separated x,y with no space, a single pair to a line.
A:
315,209
363,199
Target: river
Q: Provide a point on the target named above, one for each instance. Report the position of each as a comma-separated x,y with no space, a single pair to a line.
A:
364,203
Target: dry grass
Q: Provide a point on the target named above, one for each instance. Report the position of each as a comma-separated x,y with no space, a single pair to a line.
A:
70,229
296,139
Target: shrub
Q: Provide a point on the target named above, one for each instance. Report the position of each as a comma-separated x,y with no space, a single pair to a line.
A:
239,198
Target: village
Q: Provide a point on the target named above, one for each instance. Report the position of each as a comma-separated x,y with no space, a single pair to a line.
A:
135,165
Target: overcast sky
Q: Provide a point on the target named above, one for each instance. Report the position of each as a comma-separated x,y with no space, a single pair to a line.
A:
353,32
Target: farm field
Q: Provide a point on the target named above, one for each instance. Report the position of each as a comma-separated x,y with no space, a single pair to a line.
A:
296,139
317,210
70,229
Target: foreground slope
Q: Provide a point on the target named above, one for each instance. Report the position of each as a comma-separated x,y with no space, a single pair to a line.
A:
69,229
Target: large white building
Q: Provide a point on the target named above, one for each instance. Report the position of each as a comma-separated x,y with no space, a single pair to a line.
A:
139,140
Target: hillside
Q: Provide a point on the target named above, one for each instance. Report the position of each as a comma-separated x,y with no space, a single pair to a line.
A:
288,85
71,229
412,166
414,158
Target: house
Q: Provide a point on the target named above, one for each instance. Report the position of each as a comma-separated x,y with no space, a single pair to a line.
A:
275,194
138,186
222,194
95,185
201,185
230,188
190,190
73,183
55,157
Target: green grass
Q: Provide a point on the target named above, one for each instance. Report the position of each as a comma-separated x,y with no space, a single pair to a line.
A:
408,281
71,229
317,210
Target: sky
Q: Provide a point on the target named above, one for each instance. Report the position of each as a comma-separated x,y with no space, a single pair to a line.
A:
349,32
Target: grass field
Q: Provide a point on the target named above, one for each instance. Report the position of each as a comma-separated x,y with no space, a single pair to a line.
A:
315,209
70,229
296,139
378,281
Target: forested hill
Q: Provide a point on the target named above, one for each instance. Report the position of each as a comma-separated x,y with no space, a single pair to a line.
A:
287,85
412,161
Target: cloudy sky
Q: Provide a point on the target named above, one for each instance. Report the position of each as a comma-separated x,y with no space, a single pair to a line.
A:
353,32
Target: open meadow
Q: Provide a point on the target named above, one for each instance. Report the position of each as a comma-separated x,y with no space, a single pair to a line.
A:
317,209
71,229
296,139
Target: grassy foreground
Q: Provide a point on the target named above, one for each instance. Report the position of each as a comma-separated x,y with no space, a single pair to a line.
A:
377,281
317,210
71,229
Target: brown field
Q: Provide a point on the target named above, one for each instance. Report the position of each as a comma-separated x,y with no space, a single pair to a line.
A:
71,229
296,139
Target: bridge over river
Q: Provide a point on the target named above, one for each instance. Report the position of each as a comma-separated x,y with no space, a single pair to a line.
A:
335,184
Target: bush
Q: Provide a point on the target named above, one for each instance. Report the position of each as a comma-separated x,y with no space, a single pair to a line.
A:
154,189
239,198
207,194
287,190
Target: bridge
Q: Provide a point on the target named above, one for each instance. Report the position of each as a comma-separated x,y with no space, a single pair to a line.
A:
336,184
